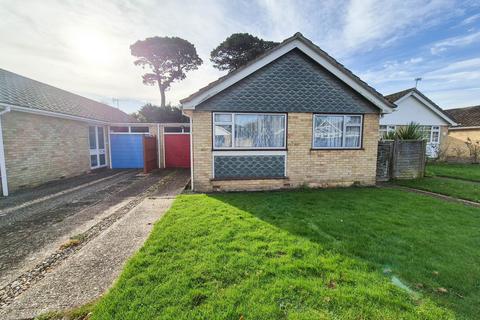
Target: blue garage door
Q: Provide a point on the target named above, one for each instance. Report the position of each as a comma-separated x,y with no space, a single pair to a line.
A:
127,151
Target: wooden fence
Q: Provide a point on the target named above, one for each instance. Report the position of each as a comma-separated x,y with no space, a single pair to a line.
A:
401,159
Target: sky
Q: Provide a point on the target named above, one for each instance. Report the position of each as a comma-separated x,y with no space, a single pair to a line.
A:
83,46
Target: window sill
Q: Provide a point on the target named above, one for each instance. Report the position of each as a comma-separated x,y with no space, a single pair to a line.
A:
336,149
249,178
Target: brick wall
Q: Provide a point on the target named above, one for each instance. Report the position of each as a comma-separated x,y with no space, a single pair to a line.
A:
314,168
39,149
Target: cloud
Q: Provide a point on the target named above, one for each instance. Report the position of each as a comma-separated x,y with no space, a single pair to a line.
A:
394,71
470,19
455,42
372,23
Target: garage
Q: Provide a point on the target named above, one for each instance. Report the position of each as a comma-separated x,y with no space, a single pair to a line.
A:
137,147
176,142
133,147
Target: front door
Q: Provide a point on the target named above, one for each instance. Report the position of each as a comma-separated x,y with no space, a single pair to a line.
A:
96,139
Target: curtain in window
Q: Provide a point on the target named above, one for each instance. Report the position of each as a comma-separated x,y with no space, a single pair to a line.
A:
352,131
223,136
328,131
259,131
352,137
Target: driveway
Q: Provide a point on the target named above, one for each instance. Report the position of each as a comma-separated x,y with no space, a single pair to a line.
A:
35,223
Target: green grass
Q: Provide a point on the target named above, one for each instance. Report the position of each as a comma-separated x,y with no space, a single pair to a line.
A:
461,171
310,254
79,313
451,187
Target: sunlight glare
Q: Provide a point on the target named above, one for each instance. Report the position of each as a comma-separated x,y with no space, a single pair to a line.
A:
91,46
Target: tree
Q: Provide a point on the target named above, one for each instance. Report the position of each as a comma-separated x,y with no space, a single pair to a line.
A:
237,50
168,58
166,114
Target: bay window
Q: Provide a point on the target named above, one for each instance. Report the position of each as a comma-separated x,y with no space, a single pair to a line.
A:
337,131
249,131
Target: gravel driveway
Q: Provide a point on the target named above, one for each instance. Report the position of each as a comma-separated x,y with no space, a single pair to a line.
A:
34,224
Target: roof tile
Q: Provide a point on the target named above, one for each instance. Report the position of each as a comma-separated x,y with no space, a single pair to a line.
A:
21,91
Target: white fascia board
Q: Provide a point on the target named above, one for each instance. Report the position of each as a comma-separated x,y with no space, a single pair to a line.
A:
277,54
429,105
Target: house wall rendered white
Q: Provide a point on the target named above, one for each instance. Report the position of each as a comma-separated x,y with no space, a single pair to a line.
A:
410,109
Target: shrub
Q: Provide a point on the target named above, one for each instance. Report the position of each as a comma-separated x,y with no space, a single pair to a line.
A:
474,149
412,131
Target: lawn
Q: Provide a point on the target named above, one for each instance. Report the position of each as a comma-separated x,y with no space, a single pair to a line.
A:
461,171
467,190
308,254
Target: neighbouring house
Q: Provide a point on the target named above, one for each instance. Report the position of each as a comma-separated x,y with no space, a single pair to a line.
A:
294,116
47,133
414,106
468,120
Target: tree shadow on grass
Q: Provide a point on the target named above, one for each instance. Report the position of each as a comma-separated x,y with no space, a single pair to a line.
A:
426,243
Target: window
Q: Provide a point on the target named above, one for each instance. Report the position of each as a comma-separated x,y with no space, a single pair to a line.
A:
96,137
337,131
384,130
176,129
249,131
139,129
129,129
118,129
431,133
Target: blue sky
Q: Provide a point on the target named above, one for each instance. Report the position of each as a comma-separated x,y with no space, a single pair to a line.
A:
83,46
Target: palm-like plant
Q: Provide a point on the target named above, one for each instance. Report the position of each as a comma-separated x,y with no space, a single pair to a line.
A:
390,135
412,131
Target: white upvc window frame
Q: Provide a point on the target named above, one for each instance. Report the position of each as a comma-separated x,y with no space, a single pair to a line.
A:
344,130
232,124
97,151
129,130
433,128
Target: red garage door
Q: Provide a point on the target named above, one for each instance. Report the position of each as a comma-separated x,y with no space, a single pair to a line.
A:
177,150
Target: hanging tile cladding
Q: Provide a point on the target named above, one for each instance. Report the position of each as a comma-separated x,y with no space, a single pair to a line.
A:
258,166
292,83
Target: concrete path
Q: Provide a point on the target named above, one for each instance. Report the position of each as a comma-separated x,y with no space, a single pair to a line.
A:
89,272
36,222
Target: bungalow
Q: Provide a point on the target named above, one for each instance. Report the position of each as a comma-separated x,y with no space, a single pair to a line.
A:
292,117
47,133
414,106
468,120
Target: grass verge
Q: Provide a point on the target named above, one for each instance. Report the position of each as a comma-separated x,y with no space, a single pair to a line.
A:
451,187
459,171
357,253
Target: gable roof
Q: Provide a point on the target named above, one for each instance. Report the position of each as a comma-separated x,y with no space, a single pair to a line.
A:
466,117
397,96
307,47
26,93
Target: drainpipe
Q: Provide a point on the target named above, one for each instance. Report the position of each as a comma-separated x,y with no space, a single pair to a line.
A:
3,169
191,151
